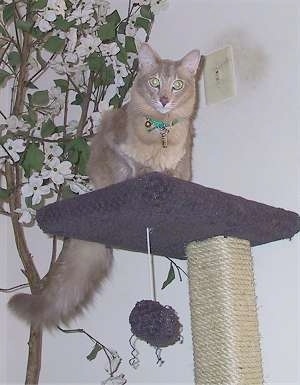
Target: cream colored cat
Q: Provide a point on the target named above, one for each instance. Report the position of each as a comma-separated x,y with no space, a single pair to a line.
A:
153,132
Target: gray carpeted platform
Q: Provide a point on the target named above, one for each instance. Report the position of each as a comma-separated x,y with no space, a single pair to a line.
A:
177,212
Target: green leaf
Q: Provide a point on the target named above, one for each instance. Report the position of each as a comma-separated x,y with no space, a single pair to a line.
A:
96,349
62,24
66,192
78,100
115,101
146,12
40,98
54,44
96,62
39,4
2,31
62,84
114,18
141,22
107,32
78,152
124,89
107,75
33,159
170,277
24,25
4,194
69,4
30,118
48,128
14,59
122,55
130,44
3,76
37,33
39,58
8,12
122,28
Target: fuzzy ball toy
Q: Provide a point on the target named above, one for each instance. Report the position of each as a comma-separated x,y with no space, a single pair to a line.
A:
155,324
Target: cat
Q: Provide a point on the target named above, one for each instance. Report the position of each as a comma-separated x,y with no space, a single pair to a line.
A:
152,132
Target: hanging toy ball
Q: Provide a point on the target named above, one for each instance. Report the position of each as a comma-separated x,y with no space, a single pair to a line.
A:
155,324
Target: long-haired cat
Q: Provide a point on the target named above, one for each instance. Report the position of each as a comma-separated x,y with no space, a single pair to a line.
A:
153,132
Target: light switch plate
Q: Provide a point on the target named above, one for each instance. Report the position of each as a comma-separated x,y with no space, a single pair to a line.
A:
219,76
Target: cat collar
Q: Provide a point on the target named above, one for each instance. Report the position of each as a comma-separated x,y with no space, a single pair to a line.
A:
162,126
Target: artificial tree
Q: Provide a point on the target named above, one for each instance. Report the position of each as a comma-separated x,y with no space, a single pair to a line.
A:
58,59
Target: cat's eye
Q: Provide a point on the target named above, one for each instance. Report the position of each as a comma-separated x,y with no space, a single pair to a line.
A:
177,85
154,82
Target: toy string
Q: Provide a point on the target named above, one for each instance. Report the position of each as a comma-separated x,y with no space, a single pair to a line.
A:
151,265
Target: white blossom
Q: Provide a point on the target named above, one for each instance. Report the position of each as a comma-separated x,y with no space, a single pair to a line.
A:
96,116
121,38
53,9
158,5
142,2
71,57
127,98
109,49
119,380
71,127
35,188
36,131
59,6
130,30
52,149
81,14
111,91
12,148
114,363
130,58
26,214
72,40
57,171
120,73
79,185
104,6
44,25
13,124
74,70
57,100
88,44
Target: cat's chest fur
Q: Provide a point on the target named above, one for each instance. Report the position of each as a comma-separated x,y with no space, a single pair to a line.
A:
146,149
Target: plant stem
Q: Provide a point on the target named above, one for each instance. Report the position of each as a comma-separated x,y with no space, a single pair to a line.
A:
14,288
14,203
13,180
23,74
34,356
13,175
85,105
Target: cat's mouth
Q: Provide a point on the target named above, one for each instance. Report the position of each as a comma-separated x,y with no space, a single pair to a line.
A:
163,109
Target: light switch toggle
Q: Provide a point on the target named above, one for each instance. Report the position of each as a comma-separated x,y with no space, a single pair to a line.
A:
219,76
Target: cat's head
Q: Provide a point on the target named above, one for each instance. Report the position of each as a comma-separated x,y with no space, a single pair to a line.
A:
166,85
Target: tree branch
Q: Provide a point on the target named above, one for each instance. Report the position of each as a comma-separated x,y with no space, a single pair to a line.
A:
14,200
14,288
85,105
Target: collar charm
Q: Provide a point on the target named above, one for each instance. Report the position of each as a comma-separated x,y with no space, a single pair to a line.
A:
162,126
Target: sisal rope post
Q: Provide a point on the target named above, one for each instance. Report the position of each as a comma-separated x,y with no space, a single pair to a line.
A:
223,311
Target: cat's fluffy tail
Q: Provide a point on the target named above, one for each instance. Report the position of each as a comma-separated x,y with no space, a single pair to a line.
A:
69,288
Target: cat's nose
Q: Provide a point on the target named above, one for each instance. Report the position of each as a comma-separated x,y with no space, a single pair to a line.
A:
164,100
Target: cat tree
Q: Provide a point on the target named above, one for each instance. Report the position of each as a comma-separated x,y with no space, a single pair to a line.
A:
215,231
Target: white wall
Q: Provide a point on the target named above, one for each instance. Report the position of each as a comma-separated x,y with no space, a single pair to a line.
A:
247,146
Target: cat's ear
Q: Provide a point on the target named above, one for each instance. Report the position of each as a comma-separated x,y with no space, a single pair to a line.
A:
191,61
148,58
